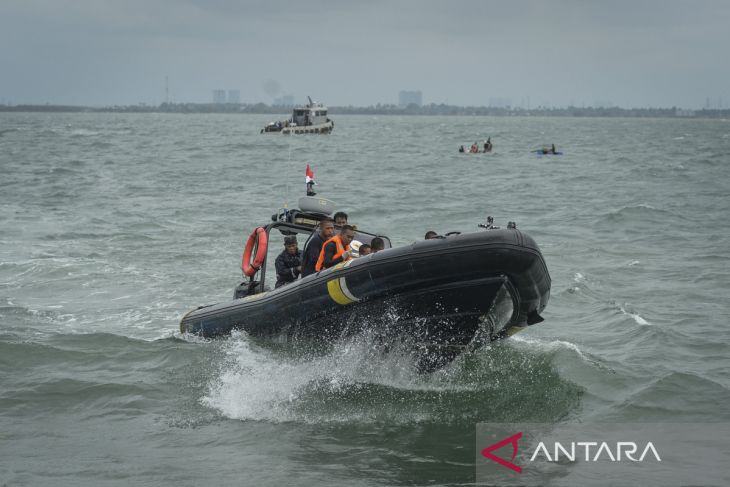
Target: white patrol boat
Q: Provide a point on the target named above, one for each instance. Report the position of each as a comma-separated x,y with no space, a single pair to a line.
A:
309,119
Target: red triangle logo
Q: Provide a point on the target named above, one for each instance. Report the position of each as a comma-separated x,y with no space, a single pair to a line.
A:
487,452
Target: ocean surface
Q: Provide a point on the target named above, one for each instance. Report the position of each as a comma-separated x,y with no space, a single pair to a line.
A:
112,226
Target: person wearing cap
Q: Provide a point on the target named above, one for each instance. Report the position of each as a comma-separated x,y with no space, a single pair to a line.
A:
289,262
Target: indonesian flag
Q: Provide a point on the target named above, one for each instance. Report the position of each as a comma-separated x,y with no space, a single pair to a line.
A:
310,175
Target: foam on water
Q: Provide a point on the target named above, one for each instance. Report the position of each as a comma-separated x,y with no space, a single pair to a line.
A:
549,346
635,316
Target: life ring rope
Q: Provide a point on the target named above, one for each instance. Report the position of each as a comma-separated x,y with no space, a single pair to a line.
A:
256,247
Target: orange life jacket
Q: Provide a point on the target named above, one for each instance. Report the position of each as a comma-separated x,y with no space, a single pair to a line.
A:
340,250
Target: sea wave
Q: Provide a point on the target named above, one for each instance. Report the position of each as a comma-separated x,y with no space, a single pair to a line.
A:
81,132
639,214
676,394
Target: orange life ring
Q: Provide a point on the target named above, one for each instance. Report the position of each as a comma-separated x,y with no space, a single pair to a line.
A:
258,239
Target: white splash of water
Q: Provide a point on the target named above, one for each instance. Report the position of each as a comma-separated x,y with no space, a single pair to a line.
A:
260,384
550,346
635,316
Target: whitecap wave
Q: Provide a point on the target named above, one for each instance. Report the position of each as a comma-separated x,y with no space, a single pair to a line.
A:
635,316
83,133
550,346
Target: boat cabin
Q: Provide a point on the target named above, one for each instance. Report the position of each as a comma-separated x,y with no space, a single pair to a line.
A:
311,114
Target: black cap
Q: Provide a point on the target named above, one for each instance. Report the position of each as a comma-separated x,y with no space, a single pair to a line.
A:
290,239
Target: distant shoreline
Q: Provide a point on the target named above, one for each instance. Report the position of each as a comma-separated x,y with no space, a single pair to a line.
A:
433,109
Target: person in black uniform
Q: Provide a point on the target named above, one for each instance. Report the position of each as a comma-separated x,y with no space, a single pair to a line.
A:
314,246
289,262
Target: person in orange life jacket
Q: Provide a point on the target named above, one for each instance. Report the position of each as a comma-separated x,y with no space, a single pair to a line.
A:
336,249
314,246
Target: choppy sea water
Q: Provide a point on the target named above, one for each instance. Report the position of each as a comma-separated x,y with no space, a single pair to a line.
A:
113,226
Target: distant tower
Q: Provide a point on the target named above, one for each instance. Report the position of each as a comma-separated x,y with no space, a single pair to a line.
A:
284,101
234,96
406,98
219,97
500,102
167,91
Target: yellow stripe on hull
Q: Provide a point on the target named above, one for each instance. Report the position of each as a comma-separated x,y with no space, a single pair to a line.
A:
335,290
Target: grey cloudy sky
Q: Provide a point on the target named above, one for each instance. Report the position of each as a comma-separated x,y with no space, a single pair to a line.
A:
461,52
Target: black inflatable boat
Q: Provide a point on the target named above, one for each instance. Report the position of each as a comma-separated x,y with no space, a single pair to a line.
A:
442,295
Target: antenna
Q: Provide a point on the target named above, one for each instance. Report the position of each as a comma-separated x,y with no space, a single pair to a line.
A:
167,91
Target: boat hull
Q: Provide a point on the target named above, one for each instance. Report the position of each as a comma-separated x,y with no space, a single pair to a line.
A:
444,294
321,128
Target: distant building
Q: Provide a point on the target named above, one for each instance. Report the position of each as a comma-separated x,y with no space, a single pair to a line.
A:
219,97
500,103
406,98
284,101
234,96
